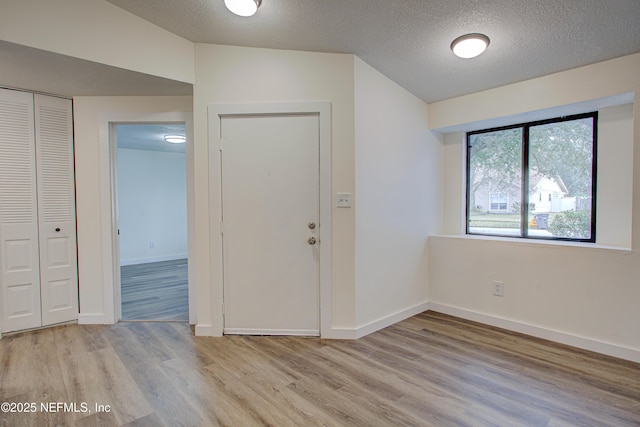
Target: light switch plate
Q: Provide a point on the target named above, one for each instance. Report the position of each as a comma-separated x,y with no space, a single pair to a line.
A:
343,200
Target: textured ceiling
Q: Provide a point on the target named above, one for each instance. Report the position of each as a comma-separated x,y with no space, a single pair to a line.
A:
408,40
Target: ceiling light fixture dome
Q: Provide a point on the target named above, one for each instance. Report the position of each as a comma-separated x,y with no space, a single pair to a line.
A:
470,45
243,7
175,139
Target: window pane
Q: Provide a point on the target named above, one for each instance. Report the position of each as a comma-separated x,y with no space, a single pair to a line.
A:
495,180
560,179
499,202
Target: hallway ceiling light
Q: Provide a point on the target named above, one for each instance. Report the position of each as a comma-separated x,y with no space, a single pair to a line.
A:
470,45
175,139
243,7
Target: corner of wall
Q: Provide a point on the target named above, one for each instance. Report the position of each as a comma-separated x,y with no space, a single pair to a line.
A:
397,175
390,319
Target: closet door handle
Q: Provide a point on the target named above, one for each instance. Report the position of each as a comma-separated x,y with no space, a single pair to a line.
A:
57,229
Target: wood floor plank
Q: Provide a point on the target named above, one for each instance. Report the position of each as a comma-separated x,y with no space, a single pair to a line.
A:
155,291
271,376
98,419
214,405
430,370
147,421
99,377
512,390
521,365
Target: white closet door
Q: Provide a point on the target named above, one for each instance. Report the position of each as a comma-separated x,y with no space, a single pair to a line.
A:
19,260
56,204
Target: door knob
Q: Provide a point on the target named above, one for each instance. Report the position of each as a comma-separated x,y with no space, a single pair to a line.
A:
311,240
57,229
312,225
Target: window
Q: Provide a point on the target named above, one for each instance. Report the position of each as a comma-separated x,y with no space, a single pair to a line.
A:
499,202
534,180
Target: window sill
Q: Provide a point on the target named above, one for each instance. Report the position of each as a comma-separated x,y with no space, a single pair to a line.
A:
527,242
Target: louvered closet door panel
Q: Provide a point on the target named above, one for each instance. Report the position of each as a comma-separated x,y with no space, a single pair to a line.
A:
56,204
19,261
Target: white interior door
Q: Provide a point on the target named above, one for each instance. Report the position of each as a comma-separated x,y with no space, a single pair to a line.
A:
19,259
56,203
270,213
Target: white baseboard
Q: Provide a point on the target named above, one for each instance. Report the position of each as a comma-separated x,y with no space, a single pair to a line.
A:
152,259
340,334
92,319
376,325
389,320
286,332
206,331
540,332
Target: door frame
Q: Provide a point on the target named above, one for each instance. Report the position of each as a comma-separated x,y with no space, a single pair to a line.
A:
215,114
112,272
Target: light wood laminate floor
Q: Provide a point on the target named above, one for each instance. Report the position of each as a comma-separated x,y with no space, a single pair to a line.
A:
155,291
429,370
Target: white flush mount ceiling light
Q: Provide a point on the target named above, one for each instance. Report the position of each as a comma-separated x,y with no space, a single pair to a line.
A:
243,7
470,45
175,139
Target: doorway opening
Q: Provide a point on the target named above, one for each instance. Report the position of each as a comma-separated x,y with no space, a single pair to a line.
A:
150,185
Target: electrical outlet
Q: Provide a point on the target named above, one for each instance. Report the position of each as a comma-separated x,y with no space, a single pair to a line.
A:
152,244
498,288
343,200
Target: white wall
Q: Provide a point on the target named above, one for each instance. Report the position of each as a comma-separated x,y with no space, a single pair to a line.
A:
454,186
615,176
286,76
578,294
152,205
93,189
227,75
398,176
97,31
525,99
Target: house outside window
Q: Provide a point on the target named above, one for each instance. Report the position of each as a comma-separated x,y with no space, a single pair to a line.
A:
499,202
534,180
